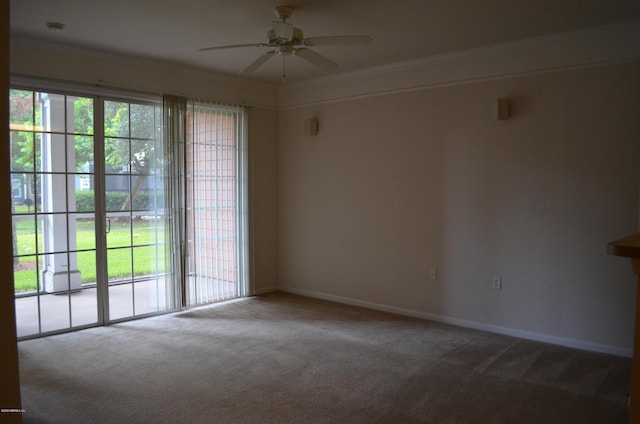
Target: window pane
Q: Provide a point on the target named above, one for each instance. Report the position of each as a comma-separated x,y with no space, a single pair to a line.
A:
118,230
116,119
119,264
54,312
54,233
22,151
150,296
120,301
22,193
20,109
117,192
25,235
142,121
84,228
81,155
54,192
25,274
117,155
54,158
51,114
27,314
85,198
146,261
141,156
84,307
87,266
81,109
81,197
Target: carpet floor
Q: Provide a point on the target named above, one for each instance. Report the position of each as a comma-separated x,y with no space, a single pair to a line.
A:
282,358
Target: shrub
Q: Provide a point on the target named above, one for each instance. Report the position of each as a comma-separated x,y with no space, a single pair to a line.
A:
84,201
115,199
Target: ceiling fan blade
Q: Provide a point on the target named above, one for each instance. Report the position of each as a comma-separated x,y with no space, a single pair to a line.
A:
337,40
315,58
234,46
258,62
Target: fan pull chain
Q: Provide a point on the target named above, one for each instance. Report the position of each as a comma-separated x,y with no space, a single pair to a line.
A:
284,69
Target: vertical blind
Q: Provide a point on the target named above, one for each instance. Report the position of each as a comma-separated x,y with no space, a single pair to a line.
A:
215,215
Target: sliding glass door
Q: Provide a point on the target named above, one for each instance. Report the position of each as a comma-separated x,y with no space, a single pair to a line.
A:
138,237
90,242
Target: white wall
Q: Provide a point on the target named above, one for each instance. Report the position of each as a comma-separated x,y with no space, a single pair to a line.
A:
396,184
264,198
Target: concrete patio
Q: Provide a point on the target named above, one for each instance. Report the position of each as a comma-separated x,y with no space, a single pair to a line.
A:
59,312
79,308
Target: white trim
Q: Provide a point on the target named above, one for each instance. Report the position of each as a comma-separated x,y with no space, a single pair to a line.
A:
562,341
265,290
55,85
592,47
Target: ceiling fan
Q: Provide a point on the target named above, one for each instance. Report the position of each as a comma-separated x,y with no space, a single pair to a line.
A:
284,39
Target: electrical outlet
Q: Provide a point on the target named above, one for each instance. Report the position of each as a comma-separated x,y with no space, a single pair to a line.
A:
433,274
497,283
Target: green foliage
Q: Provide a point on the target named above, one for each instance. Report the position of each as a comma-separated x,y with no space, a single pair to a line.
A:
115,199
23,118
85,201
133,139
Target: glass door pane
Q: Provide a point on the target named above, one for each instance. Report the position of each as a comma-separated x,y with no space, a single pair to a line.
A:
52,150
139,270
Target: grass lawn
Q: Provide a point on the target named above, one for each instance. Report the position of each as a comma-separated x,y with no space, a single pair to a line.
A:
129,252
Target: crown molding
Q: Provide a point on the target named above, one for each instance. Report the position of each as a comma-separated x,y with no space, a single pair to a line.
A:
592,47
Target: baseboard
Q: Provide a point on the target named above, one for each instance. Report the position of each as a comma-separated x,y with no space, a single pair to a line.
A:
265,290
561,341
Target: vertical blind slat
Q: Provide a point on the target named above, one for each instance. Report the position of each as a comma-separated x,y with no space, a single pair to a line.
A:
212,177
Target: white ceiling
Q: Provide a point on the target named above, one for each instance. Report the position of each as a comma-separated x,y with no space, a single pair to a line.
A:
174,30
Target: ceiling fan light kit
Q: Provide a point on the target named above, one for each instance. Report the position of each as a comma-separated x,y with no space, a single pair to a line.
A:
283,32
284,38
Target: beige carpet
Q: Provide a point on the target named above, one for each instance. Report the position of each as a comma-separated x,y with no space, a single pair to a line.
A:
281,358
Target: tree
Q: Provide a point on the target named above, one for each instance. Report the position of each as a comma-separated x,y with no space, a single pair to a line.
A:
131,132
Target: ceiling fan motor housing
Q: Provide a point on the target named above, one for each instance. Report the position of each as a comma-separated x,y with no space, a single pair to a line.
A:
296,37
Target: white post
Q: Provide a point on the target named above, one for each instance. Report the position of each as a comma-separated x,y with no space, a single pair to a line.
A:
61,268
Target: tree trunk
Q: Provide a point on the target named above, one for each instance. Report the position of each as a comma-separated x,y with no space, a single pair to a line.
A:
143,173
128,202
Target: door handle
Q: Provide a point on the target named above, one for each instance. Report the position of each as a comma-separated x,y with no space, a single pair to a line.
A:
108,225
